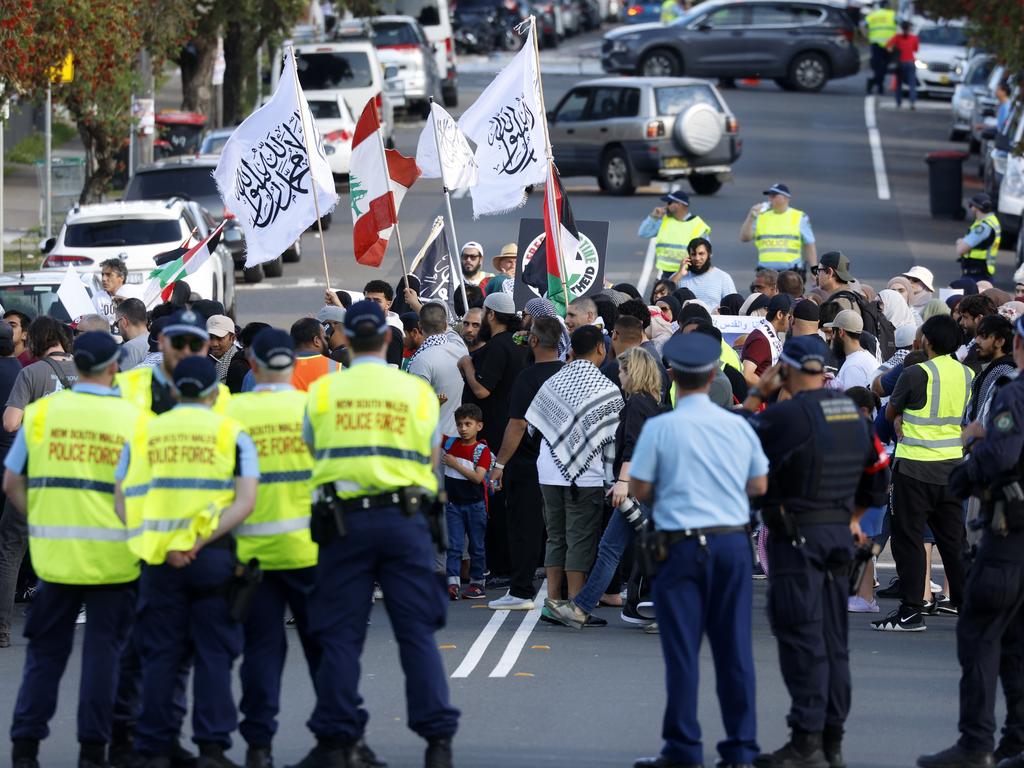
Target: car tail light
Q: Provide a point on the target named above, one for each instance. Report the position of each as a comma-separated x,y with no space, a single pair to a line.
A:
634,10
400,47
339,135
655,129
449,52
847,35
65,260
378,101
732,125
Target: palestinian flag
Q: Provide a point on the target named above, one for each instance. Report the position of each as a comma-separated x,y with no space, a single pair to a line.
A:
546,275
177,265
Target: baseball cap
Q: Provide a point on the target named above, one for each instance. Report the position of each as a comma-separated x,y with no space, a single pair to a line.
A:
677,196
94,350
186,323
220,325
837,261
807,310
982,202
330,314
849,320
195,376
274,349
501,303
364,319
966,284
692,352
922,274
806,353
778,188
473,244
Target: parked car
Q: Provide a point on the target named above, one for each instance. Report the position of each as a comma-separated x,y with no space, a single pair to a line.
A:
435,18
191,178
1010,200
482,26
336,124
801,44
642,13
135,232
35,293
214,141
973,76
402,43
629,130
943,47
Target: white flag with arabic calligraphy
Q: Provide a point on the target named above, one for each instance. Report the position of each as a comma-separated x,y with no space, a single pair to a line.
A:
506,125
455,164
266,178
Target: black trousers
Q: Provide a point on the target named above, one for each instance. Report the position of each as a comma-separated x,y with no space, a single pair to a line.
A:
879,65
525,526
1011,675
992,602
913,504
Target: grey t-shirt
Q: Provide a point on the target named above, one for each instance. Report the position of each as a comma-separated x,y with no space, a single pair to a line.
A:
439,366
40,379
134,351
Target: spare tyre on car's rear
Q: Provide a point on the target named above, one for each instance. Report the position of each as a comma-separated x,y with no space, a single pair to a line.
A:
698,129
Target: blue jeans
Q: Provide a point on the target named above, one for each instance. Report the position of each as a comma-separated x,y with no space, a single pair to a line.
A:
906,73
466,519
617,536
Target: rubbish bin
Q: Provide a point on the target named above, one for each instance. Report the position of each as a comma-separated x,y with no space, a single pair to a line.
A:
945,184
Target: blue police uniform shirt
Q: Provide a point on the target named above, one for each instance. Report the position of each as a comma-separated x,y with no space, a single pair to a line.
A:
980,232
17,456
699,458
650,226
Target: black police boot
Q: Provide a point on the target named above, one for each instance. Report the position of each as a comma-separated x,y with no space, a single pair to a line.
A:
120,753
1017,761
366,756
832,746
25,753
212,756
258,757
956,757
92,755
181,757
663,762
327,754
802,751
439,753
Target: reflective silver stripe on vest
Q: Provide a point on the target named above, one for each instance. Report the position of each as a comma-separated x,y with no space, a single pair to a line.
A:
192,483
929,421
275,527
295,476
360,451
953,442
166,526
76,483
59,532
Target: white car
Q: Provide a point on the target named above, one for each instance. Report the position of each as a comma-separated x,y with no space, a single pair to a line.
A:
973,80
135,232
435,18
402,43
1010,206
943,48
35,293
337,126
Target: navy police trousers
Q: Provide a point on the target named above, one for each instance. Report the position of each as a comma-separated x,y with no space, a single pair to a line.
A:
382,545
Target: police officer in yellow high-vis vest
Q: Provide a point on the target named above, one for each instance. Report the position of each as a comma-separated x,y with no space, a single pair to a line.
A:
187,477
673,227
782,234
978,249
881,28
60,472
373,433
276,534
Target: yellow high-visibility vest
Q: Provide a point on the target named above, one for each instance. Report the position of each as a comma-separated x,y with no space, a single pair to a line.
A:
932,432
136,384
881,26
74,442
988,253
778,239
670,11
673,237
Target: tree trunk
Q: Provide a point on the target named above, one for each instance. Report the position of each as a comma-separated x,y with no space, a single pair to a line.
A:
197,62
101,149
239,58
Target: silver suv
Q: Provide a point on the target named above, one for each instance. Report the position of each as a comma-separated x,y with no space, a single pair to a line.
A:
629,130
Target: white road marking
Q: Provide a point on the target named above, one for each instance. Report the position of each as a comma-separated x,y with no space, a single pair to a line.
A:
522,634
875,142
476,651
307,282
645,273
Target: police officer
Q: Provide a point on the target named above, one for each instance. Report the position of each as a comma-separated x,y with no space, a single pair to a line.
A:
373,433
781,233
881,28
673,9
994,593
697,465
978,249
189,477
826,469
276,534
60,473
673,227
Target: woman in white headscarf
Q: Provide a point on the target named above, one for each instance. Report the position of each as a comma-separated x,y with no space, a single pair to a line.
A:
896,309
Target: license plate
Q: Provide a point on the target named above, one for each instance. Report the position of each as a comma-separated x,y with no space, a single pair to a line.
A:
944,79
675,162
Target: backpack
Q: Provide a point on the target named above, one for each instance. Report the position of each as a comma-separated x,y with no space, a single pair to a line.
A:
875,321
477,452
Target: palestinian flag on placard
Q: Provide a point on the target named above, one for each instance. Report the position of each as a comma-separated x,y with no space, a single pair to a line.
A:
178,264
558,222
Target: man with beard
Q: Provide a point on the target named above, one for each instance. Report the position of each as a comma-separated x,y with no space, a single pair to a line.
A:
472,260
972,310
993,348
708,283
859,365
471,322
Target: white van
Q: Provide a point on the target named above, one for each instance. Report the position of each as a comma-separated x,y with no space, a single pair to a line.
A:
434,17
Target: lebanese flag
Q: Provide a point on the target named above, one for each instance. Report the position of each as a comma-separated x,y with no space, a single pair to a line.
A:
376,191
558,223
176,267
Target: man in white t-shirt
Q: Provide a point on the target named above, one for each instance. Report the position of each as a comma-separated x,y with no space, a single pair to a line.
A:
859,365
114,289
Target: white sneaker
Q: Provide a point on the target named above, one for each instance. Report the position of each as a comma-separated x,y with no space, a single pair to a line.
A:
81,616
510,603
934,587
378,593
857,604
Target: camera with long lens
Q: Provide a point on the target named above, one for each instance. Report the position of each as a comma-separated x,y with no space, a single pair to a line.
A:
630,509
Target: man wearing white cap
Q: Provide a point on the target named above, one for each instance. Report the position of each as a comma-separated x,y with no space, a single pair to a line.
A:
782,234
231,367
472,262
859,365
922,283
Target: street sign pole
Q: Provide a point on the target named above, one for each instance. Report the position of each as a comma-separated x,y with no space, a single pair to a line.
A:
48,181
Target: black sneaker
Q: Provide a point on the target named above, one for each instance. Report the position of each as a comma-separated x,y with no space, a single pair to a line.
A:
893,590
439,753
258,757
901,621
956,757
944,606
631,615
595,621
1014,761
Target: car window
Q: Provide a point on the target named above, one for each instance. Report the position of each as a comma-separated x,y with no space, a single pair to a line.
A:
572,108
605,104
35,300
327,71
212,145
192,183
773,16
325,110
671,100
732,16
630,106
943,35
99,234
424,11
978,74
389,33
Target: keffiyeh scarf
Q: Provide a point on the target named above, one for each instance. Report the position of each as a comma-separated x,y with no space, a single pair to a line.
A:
540,307
577,412
431,341
224,363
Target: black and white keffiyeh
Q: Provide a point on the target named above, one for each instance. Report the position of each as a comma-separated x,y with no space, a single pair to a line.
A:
431,341
577,412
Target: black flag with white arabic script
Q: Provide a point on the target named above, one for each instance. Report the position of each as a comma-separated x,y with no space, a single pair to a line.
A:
435,273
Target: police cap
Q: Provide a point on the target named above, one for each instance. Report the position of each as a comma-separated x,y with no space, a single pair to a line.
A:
186,323
273,349
692,353
195,377
95,350
805,353
365,319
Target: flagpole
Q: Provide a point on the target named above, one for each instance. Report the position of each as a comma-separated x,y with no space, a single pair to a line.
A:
550,183
455,258
309,160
